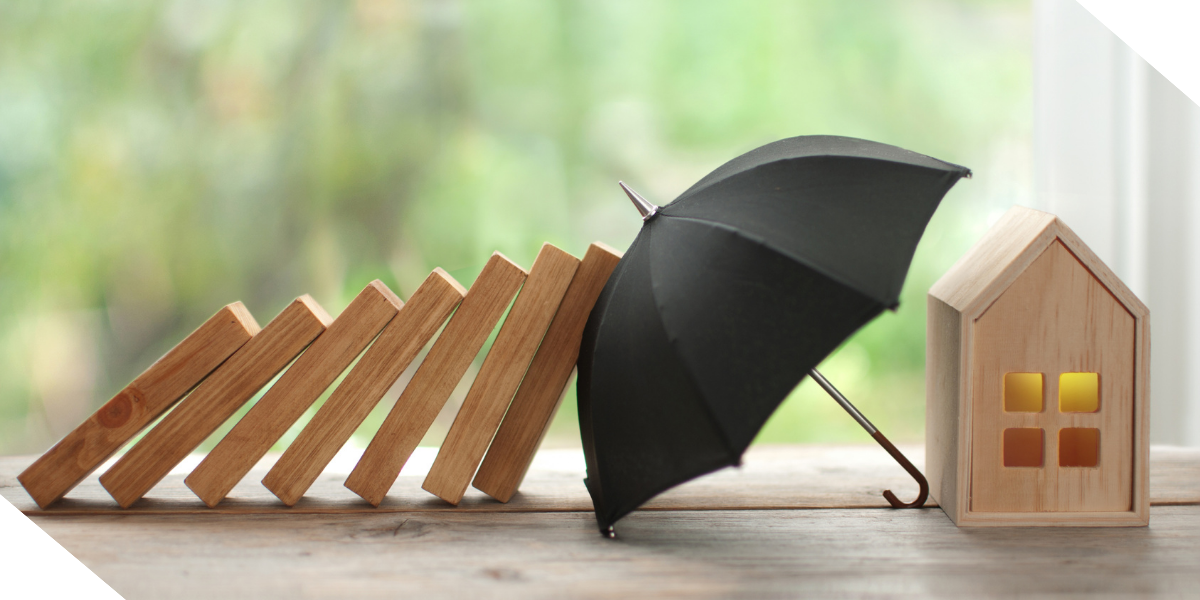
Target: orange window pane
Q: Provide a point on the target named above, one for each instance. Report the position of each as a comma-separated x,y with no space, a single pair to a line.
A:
1023,447
1078,447
1079,392
1022,392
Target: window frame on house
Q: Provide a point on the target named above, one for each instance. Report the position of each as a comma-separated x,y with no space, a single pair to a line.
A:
1078,447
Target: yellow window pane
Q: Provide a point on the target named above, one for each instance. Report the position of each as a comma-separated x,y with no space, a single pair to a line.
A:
1023,447
1078,447
1023,392
1079,392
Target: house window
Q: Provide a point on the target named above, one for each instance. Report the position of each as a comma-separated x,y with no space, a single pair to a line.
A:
1079,392
1023,392
1023,447
1077,446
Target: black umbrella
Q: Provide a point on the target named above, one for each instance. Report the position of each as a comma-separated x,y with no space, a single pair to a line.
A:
731,294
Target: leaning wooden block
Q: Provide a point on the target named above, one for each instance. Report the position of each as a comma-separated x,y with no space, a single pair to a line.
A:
126,414
221,395
287,400
546,382
364,386
500,375
433,382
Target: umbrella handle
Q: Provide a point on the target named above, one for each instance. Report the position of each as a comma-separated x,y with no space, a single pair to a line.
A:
908,466
883,441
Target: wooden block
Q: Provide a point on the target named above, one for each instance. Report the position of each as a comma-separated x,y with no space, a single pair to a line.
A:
221,395
500,375
1031,300
287,400
364,386
1075,315
141,402
436,378
550,375
945,452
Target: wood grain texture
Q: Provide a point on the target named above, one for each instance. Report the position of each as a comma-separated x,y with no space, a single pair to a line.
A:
943,447
974,288
215,400
505,472
550,374
294,393
835,553
688,548
995,261
435,379
501,374
141,402
1055,318
395,348
1099,270
1141,378
771,477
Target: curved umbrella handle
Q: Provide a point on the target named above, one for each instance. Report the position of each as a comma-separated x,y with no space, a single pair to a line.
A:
908,466
883,441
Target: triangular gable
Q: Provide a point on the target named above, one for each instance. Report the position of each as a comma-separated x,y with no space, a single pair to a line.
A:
1006,250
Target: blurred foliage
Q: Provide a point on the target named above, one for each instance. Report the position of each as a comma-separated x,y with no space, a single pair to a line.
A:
159,159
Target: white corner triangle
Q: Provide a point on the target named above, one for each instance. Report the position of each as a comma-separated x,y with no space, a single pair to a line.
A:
33,565
1162,32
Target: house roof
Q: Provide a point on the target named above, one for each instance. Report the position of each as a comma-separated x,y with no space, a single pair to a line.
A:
1007,249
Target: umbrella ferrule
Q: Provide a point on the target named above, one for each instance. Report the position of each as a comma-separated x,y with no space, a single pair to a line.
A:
647,209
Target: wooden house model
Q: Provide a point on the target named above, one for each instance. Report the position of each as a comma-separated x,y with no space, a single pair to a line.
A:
1037,383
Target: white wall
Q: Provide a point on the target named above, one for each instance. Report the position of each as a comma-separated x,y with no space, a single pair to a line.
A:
1117,156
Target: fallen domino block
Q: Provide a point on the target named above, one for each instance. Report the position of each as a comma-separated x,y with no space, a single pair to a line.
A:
157,389
502,370
435,379
399,343
270,418
217,399
546,382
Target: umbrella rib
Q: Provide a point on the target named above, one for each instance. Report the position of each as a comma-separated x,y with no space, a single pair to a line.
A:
753,238
697,187
672,341
708,411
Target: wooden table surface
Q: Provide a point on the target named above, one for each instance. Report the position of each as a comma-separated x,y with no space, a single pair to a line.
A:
793,521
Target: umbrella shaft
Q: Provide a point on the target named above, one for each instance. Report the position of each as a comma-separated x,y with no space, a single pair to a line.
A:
840,399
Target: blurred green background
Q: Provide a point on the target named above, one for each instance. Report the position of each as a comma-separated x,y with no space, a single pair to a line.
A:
159,159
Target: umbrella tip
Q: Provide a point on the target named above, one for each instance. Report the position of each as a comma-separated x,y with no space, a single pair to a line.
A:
643,205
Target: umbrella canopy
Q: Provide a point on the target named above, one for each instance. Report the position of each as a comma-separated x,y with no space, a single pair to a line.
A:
731,294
